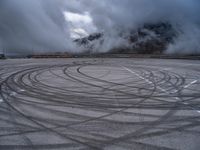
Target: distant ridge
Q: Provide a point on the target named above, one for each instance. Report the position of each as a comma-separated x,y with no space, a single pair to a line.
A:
149,39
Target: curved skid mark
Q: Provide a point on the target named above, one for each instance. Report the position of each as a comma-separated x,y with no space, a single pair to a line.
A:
96,105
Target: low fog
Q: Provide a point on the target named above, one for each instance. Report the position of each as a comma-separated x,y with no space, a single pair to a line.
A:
34,26
31,26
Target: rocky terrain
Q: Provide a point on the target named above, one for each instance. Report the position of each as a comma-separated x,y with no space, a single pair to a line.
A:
149,39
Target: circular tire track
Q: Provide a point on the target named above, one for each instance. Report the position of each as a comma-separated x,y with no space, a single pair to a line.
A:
96,105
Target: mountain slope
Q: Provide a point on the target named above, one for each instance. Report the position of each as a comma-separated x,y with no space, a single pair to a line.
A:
151,38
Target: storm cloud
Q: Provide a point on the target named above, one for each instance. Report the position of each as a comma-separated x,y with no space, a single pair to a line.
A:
29,26
113,16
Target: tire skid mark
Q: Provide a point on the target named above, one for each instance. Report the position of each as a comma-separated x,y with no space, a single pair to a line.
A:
116,105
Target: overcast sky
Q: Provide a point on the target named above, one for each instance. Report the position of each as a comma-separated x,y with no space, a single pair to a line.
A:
49,25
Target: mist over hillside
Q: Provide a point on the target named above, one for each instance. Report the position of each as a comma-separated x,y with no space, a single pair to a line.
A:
150,39
143,26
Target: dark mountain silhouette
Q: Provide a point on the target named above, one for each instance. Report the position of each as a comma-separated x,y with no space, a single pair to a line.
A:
149,39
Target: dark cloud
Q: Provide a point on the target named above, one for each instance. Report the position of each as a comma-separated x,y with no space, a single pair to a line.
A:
32,25
113,16
39,25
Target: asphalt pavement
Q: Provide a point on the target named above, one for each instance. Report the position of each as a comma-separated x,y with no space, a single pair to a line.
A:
100,104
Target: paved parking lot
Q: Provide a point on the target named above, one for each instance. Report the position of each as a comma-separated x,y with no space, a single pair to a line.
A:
99,104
